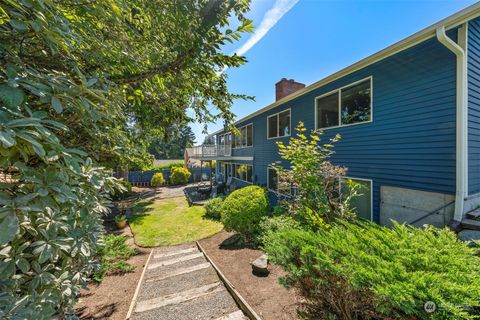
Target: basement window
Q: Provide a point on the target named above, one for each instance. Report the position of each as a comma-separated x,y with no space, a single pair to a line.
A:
345,106
273,183
362,203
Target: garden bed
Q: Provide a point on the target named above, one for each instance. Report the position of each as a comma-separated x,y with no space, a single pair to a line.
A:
265,295
111,298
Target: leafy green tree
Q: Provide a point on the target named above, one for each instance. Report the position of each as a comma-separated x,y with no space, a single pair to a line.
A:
85,83
313,179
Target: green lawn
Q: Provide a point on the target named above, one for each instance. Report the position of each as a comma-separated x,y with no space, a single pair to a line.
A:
169,222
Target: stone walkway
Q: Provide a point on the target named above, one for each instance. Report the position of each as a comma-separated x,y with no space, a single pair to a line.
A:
180,284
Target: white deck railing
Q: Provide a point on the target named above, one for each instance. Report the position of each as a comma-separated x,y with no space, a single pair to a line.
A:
209,151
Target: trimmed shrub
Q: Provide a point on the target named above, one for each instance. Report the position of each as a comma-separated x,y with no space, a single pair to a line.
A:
157,180
243,210
366,271
179,175
213,208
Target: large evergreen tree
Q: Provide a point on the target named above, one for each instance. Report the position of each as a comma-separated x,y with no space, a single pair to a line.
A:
172,146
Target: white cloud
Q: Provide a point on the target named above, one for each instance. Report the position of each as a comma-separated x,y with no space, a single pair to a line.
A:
270,18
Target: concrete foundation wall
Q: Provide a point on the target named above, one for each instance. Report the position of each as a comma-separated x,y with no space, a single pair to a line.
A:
471,203
406,205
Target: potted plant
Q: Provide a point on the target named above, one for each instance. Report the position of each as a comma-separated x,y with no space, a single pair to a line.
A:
121,221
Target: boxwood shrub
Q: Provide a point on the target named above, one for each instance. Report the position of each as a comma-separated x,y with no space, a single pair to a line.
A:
243,210
366,271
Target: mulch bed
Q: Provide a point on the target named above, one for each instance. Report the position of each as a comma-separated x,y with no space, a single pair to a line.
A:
112,297
265,295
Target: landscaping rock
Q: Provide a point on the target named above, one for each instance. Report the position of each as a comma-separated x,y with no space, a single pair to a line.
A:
231,241
469,236
260,266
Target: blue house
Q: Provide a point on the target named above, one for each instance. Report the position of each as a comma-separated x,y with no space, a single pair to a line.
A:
409,117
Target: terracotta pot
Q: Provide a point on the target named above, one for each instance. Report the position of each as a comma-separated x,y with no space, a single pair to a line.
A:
121,224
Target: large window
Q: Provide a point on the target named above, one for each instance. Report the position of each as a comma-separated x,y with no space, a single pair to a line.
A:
278,125
362,203
274,184
245,138
345,106
243,172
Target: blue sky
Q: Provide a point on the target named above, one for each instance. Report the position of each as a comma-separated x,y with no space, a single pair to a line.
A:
312,39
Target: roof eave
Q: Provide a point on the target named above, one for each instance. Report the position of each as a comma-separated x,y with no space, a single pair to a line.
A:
450,22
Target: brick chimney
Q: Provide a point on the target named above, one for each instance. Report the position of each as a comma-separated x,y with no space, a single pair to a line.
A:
286,87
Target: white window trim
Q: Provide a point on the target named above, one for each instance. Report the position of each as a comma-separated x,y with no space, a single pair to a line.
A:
234,171
278,124
276,191
239,129
339,91
371,190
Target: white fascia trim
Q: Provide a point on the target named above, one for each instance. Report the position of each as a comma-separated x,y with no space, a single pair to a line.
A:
448,23
462,114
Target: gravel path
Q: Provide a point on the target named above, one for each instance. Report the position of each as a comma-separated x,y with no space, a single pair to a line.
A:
180,284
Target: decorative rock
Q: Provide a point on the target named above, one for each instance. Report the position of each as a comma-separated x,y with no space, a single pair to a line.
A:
231,241
469,236
260,266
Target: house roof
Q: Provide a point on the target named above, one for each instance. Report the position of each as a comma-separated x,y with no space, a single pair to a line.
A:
450,22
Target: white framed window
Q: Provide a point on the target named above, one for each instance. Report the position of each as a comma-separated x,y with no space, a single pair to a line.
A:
346,106
279,124
363,202
273,183
243,172
245,138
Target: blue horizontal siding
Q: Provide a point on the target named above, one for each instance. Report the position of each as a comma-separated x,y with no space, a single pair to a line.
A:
473,66
411,141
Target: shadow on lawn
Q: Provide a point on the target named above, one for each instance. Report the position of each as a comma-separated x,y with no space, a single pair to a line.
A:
140,210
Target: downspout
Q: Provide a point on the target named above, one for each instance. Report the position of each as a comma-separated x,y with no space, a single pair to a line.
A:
461,118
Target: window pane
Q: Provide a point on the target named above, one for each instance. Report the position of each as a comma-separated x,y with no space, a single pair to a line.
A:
250,135
284,123
244,136
327,111
362,202
272,127
249,173
356,103
243,172
272,179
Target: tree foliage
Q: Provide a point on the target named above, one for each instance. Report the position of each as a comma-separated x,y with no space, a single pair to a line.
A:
313,178
173,144
84,83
